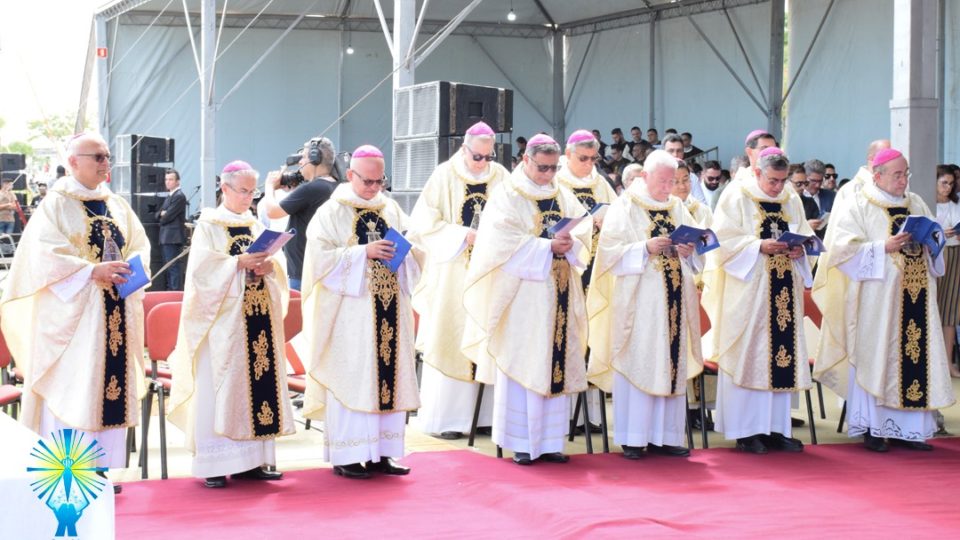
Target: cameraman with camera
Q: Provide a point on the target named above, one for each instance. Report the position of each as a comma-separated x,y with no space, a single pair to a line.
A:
311,186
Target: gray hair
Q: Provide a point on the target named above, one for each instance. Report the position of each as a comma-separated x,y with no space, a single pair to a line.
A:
592,144
327,151
630,172
227,178
468,138
777,162
546,148
814,166
672,138
657,159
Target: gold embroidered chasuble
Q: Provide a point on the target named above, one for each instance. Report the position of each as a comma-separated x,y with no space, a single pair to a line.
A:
757,323
81,357
361,347
239,318
534,331
888,329
451,201
644,326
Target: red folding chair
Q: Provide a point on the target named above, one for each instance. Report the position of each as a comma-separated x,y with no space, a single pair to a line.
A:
9,394
162,326
293,322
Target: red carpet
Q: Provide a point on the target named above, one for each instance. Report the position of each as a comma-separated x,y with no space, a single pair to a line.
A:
828,491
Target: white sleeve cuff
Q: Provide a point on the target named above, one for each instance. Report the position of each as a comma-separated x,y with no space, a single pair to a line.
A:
741,266
531,261
802,267
408,274
68,287
453,243
867,263
347,277
937,266
571,255
633,261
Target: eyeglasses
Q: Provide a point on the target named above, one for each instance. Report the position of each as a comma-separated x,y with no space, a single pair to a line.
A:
482,157
713,178
803,183
583,158
243,192
370,183
545,168
830,176
815,180
98,157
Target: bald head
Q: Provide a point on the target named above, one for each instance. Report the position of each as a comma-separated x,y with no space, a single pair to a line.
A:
875,147
89,158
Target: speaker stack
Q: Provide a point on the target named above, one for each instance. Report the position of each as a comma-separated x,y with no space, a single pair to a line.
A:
138,176
13,167
431,120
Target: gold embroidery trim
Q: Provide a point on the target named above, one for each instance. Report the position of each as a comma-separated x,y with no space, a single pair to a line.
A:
913,392
913,341
557,374
262,363
384,393
561,274
265,416
113,389
914,276
256,301
116,337
674,327
383,284
386,334
783,359
780,264
784,316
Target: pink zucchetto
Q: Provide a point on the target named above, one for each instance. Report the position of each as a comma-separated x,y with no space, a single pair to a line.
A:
771,151
480,129
885,156
753,134
367,151
540,139
234,166
579,136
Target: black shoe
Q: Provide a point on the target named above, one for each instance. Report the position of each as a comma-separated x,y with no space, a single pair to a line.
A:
632,452
751,445
388,466
554,457
912,445
522,458
258,473
450,435
594,428
353,471
117,488
797,422
782,442
487,430
694,417
215,482
666,450
875,444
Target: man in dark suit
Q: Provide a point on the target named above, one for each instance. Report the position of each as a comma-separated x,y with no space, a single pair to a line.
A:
815,169
172,216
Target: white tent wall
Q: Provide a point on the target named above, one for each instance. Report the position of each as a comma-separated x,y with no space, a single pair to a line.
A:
279,106
693,90
841,100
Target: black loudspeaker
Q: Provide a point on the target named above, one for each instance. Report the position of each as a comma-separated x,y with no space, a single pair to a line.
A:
144,149
443,108
156,256
415,159
146,206
136,178
13,162
19,178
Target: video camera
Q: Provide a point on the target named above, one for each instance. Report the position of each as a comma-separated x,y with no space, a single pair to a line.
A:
293,177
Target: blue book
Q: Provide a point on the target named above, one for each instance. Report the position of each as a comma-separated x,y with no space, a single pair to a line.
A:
567,224
703,239
136,279
271,241
402,246
926,232
811,244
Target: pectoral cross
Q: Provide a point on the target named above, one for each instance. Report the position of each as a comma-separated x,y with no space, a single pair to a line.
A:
373,235
550,224
775,231
111,252
477,210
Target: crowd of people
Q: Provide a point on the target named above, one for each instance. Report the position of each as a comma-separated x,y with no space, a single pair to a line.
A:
531,286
